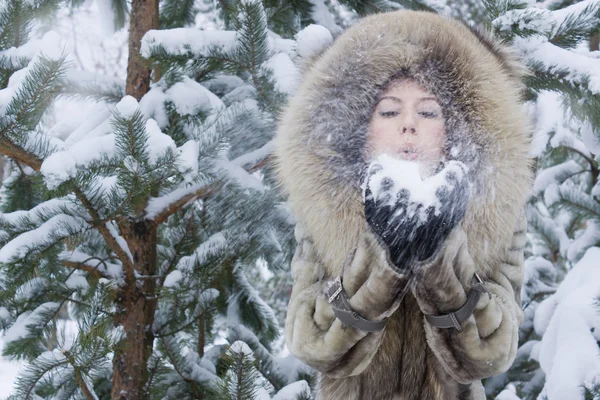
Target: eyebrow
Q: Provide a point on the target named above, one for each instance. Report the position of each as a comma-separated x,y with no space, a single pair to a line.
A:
400,101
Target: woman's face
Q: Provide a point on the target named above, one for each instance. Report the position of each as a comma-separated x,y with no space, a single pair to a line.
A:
407,123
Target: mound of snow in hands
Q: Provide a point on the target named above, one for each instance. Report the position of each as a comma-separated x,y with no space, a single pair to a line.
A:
406,178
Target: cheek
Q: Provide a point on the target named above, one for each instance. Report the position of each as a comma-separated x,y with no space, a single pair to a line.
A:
437,132
382,132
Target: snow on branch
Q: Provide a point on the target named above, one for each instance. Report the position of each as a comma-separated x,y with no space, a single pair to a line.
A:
28,323
95,265
160,208
568,321
555,174
50,232
185,41
576,68
214,245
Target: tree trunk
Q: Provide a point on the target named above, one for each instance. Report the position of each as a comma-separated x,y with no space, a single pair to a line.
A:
595,41
136,307
201,338
136,303
144,16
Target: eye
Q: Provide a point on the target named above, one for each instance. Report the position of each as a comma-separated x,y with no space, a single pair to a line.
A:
429,114
389,114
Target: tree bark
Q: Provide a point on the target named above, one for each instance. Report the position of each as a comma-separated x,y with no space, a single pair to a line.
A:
144,16
136,299
136,304
595,41
201,334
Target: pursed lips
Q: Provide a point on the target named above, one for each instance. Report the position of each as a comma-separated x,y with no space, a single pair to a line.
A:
409,152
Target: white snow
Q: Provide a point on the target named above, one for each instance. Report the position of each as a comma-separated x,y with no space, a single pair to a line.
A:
187,160
278,44
312,39
255,155
240,347
189,97
207,297
292,391
127,106
557,172
240,175
77,281
510,393
158,143
181,41
158,204
106,16
568,351
212,246
173,278
9,370
284,71
52,206
589,237
110,269
29,49
60,225
579,66
63,165
20,328
30,288
152,105
407,175
95,124
590,139
535,269
322,16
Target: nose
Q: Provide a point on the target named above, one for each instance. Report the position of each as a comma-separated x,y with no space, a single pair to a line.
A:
409,125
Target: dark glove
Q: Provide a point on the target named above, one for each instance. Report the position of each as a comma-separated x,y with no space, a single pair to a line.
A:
410,232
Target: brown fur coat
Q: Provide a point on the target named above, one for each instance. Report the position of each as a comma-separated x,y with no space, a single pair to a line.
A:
319,161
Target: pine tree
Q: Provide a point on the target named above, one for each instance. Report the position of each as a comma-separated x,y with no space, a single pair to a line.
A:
127,250
564,208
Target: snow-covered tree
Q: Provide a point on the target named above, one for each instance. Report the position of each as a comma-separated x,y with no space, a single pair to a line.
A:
127,241
135,242
559,354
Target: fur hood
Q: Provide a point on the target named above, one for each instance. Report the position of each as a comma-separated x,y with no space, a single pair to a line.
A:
322,130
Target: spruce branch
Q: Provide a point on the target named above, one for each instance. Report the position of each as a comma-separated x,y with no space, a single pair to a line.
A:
108,237
84,267
97,222
35,371
580,203
37,91
176,13
202,192
91,91
17,153
577,27
78,376
575,92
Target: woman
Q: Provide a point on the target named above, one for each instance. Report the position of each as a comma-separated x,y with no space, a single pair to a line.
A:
394,308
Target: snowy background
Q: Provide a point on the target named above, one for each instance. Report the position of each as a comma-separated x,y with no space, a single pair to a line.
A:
559,353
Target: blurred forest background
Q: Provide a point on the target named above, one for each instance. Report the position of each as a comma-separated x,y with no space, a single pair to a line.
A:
144,250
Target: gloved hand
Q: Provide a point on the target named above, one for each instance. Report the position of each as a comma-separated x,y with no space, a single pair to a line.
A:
413,231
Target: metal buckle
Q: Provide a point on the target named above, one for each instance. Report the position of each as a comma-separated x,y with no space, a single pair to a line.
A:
483,285
337,287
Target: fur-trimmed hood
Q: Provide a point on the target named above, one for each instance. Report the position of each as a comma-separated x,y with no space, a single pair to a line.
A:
323,128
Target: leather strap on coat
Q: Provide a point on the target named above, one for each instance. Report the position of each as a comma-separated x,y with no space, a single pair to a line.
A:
456,318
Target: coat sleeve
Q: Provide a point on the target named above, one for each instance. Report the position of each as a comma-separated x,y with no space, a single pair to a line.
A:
488,342
313,333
